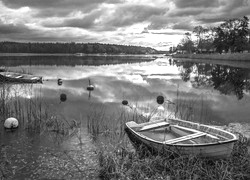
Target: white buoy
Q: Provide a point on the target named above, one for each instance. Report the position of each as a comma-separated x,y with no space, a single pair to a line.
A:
11,123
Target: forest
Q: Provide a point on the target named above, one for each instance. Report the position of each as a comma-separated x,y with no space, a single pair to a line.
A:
233,35
72,48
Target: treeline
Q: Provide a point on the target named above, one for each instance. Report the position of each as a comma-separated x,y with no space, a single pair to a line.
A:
72,48
231,36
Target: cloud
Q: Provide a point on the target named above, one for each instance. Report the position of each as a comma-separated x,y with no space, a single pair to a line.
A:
183,26
187,12
134,22
48,8
6,29
85,22
126,15
195,3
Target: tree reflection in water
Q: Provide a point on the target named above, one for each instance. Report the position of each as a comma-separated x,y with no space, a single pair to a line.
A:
228,80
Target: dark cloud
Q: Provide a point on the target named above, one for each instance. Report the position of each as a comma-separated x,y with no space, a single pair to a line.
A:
195,3
87,22
9,29
159,22
236,8
209,20
48,8
123,15
227,6
130,14
186,12
19,32
183,26
55,3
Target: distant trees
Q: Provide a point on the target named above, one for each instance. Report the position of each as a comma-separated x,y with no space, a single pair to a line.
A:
205,38
72,48
186,43
231,36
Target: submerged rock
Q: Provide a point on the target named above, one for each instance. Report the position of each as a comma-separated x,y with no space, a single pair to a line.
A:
11,123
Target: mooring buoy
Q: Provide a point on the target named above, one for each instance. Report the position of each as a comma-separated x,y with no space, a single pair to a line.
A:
59,82
63,97
160,99
90,87
125,102
11,123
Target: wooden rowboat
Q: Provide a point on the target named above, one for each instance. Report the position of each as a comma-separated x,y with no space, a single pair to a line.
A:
181,137
13,77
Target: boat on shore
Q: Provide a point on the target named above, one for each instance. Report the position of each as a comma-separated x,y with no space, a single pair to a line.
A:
13,77
181,137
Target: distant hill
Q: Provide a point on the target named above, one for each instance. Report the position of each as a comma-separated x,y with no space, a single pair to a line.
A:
73,48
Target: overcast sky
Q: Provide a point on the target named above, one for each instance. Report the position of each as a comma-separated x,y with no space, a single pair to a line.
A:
154,23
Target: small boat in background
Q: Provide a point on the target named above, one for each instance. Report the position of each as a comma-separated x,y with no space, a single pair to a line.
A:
13,77
181,137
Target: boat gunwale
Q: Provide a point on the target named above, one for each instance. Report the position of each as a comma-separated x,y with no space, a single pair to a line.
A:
217,143
6,77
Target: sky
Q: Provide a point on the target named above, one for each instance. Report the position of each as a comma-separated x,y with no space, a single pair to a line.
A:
159,24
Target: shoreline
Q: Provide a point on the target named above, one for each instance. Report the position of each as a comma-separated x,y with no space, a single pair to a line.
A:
228,56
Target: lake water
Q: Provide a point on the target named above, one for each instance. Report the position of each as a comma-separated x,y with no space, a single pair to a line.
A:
213,92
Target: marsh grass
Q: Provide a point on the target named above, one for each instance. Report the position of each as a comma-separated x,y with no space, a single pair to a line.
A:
36,116
31,110
119,160
110,127
122,163
4,163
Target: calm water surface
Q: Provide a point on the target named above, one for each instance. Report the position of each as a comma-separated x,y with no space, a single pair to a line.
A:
212,92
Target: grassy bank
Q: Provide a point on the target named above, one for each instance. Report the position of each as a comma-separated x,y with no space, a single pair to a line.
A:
124,164
228,56
119,160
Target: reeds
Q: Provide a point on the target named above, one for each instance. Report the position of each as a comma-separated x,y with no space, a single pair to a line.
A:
123,164
118,159
31,110
4,163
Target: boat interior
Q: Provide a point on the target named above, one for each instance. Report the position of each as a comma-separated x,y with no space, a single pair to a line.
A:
167,133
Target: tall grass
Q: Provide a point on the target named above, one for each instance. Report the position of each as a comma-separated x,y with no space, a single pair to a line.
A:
119,160
31,110
122,163
34,115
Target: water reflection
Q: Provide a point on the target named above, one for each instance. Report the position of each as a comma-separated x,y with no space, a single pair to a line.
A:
142,82
203,92
228,80
71,60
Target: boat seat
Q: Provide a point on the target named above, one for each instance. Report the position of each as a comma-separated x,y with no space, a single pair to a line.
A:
195,131
185,138
154,126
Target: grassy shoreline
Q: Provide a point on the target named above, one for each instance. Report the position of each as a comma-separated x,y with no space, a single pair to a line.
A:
119,160
228,56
